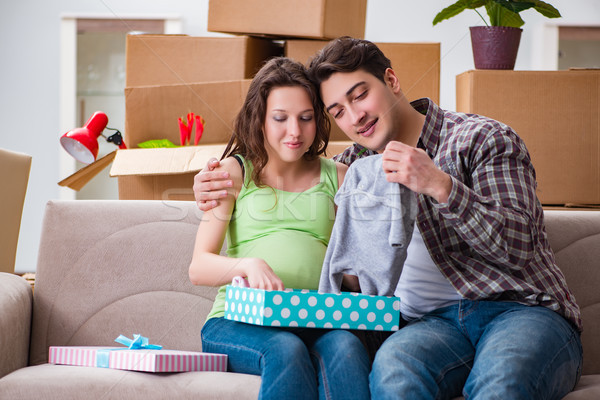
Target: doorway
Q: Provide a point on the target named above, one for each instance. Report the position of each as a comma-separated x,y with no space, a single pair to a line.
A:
93,79
578,47
561,47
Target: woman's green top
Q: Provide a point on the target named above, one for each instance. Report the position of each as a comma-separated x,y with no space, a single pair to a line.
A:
289,230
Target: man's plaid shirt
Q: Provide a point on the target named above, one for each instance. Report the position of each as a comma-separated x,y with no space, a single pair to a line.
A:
489,240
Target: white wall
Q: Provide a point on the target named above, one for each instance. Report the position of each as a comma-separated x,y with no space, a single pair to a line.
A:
29,72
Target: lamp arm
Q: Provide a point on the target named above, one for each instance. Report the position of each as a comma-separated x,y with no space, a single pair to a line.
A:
116,138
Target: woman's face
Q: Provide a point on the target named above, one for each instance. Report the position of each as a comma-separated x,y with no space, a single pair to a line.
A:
290,126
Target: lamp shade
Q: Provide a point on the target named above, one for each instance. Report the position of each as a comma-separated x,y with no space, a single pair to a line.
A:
82,143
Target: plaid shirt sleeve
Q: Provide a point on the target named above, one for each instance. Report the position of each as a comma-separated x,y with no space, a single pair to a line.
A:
352,154
496,215
489,238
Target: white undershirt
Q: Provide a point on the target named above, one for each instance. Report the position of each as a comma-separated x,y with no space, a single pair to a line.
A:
422,287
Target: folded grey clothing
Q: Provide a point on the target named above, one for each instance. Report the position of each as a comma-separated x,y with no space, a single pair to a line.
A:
373,227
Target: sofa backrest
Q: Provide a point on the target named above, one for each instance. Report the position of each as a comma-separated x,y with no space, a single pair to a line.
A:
575,239
107,268
120,267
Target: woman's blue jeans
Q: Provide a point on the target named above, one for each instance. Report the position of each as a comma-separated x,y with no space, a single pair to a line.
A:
481,350
294,363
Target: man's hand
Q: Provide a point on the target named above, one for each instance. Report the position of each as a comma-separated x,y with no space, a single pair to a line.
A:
351,283
210,185
413,168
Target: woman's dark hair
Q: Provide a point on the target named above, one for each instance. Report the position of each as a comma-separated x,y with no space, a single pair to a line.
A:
248,137
346,54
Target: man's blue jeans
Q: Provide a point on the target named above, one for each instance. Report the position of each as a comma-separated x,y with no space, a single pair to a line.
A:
294,363
482,350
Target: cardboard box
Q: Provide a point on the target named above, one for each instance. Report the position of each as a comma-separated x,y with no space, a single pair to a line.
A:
151,112
180,59
574,207
556,113
310,309
417,66
14,171
318,19
137,360
337,146
161,174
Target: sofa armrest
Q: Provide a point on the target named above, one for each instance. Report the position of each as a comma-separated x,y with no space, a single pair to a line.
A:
16,301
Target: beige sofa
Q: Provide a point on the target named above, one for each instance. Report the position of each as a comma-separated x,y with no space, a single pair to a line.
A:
120,267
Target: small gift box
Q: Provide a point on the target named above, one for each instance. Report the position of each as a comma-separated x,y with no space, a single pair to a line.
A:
149,359
310,309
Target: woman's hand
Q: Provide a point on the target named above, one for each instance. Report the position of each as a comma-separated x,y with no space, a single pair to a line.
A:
260,275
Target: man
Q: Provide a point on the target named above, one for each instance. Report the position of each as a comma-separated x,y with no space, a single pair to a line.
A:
488,312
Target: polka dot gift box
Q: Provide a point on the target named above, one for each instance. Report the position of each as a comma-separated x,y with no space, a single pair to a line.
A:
308,308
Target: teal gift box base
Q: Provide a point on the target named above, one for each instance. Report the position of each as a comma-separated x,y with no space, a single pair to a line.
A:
311,309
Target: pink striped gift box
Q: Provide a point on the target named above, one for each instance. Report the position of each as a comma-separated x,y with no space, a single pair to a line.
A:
137,360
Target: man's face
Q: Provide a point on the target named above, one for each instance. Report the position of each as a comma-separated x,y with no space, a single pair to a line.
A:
365,108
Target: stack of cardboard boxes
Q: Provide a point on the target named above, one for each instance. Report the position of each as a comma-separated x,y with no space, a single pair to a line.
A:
557,113
169,76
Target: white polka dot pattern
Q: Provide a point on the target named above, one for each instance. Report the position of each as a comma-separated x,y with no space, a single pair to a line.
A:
307,308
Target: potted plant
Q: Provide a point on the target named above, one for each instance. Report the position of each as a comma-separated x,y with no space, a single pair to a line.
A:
495,45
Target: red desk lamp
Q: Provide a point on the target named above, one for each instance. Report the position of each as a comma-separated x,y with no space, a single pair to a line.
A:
82,143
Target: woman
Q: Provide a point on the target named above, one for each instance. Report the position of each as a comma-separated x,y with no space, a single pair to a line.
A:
278,218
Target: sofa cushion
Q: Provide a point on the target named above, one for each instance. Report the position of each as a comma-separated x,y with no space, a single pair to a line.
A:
588,388
65,382
117,267
574,238
15,317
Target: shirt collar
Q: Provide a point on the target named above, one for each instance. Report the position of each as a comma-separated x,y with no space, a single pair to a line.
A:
434,119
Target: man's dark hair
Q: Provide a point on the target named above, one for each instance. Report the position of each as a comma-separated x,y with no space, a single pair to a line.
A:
346,54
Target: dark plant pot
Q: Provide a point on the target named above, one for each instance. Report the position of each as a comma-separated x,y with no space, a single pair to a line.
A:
495,47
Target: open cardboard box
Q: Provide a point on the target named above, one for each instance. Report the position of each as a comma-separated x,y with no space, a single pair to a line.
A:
161,174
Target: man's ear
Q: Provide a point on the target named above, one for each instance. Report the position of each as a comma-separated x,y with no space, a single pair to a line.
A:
391,80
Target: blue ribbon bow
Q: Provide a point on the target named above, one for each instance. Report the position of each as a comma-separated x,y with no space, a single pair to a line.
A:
138,342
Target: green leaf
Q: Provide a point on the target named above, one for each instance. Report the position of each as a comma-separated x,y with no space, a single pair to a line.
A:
157,143
515,6
502,16
450,11
546,9
501,12
457,8
476,3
